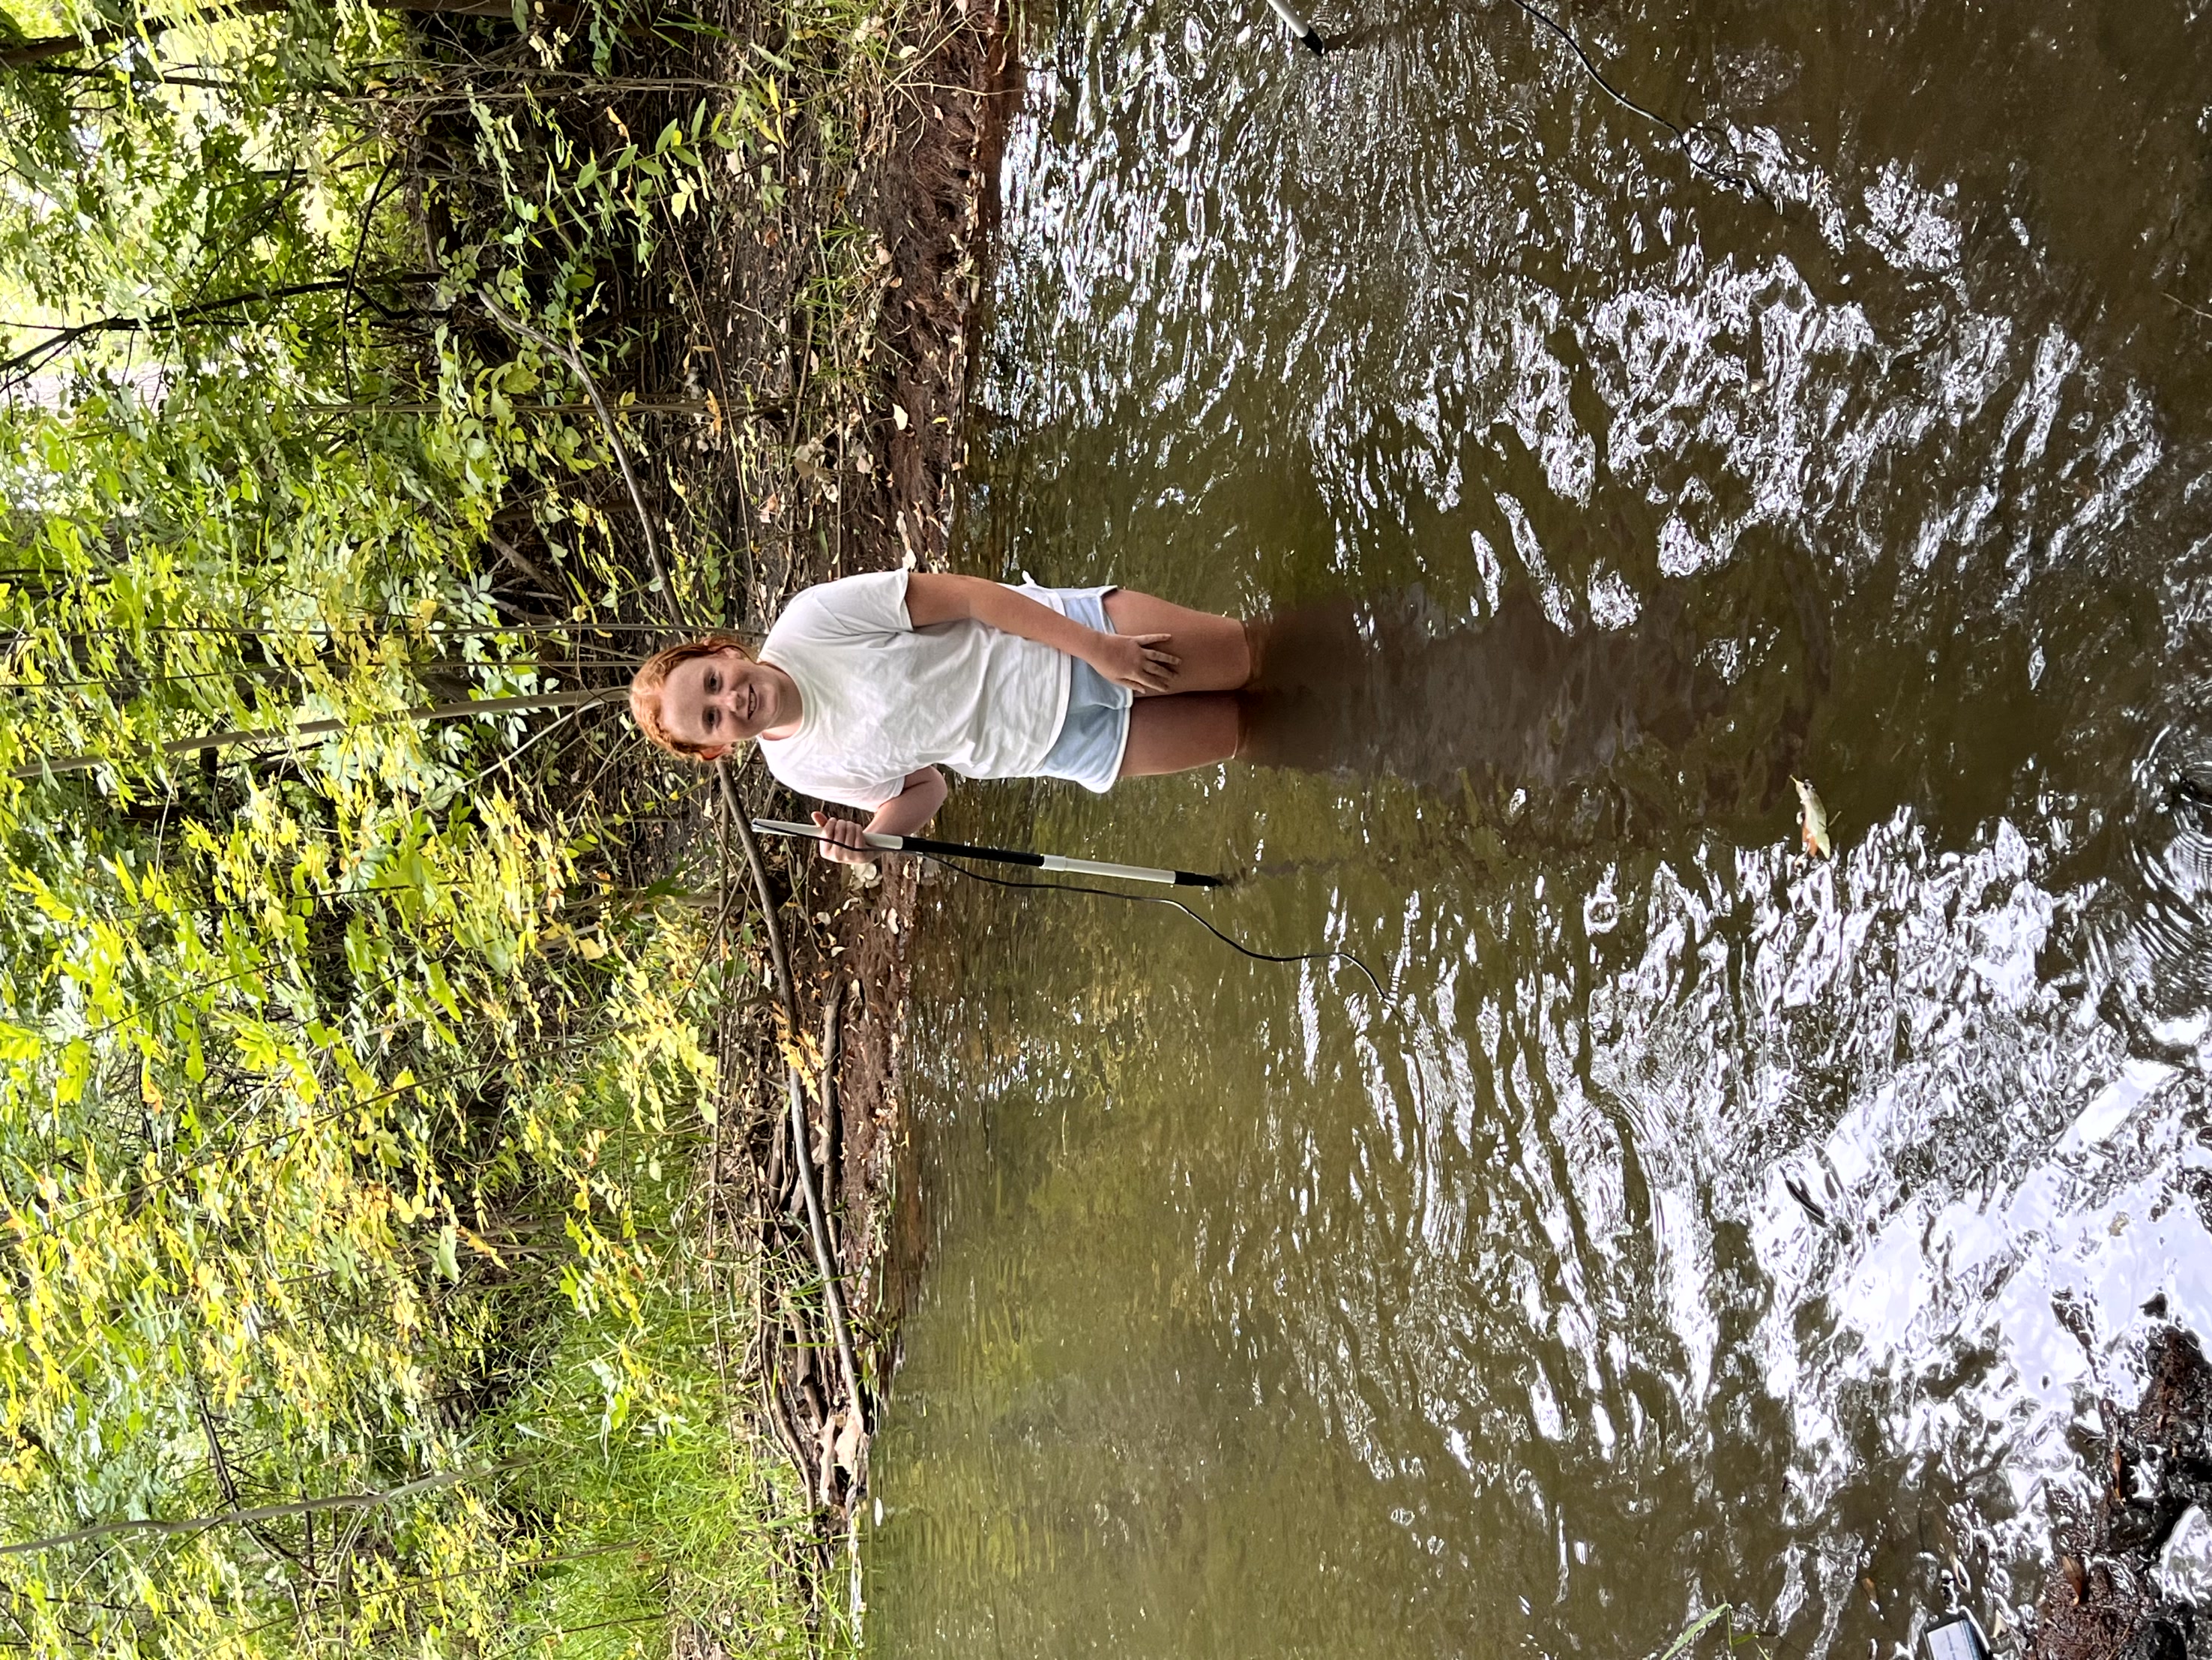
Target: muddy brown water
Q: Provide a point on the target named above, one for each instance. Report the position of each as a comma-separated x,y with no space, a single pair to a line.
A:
1691,1220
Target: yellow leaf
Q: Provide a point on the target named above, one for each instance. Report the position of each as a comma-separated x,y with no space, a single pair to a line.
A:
1813,820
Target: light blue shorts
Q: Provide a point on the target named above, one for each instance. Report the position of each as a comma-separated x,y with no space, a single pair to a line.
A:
1096,731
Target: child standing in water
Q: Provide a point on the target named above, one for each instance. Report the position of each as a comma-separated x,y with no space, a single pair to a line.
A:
867,686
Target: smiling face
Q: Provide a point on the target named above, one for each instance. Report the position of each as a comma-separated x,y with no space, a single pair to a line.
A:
719,699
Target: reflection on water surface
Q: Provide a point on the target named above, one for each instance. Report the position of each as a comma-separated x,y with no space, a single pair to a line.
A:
1693,1220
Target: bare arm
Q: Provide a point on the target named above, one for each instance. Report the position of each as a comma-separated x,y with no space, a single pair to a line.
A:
903,815
1138,661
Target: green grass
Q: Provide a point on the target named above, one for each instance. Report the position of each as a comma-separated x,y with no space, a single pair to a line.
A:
677,1524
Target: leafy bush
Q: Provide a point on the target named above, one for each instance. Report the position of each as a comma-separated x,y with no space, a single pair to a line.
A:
350,1078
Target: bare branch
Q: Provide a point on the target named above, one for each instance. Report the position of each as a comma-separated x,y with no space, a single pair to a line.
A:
25,54
61,340
343,1501
217,740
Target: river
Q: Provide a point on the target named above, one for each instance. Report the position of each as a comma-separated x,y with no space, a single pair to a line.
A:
1692,1218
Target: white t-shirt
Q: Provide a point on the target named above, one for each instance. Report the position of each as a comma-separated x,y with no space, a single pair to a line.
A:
882,698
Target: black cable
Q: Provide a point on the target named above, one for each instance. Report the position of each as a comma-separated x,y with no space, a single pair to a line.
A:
1161,899
1732,181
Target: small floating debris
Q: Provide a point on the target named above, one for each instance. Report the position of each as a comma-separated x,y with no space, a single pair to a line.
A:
1811,1207
1813,820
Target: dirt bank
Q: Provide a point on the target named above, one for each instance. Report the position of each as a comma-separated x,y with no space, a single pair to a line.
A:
933,200
2105,1599
857,372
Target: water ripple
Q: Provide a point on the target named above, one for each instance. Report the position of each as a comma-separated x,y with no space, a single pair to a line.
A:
1699,1220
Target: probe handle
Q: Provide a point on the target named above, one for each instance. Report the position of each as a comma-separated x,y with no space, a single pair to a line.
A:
813,833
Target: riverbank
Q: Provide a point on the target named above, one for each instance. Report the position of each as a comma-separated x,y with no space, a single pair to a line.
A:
876,271
2114,1593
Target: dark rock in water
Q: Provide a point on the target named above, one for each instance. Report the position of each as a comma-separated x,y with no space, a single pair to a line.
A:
2103,1600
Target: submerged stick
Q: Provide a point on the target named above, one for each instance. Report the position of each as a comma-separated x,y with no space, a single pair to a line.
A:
882,843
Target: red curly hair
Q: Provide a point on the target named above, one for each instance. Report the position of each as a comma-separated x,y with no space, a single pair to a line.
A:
644,687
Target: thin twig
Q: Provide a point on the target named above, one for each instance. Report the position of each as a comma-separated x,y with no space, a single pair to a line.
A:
574,360
817,1227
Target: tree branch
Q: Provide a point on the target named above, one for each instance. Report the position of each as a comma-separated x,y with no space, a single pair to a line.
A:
61,340
574,360
217,740
25,54
344,1501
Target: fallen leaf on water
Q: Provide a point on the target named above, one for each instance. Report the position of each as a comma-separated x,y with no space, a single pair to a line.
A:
1813,821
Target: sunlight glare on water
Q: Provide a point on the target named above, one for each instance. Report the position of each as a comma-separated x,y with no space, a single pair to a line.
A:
1695,1220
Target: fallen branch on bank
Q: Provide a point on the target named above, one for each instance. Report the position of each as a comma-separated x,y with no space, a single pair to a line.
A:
802,1158
272,737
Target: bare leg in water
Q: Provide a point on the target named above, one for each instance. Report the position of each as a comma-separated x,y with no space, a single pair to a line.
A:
1194,723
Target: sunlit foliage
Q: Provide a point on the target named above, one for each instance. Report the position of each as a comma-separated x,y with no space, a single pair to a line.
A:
346,1091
